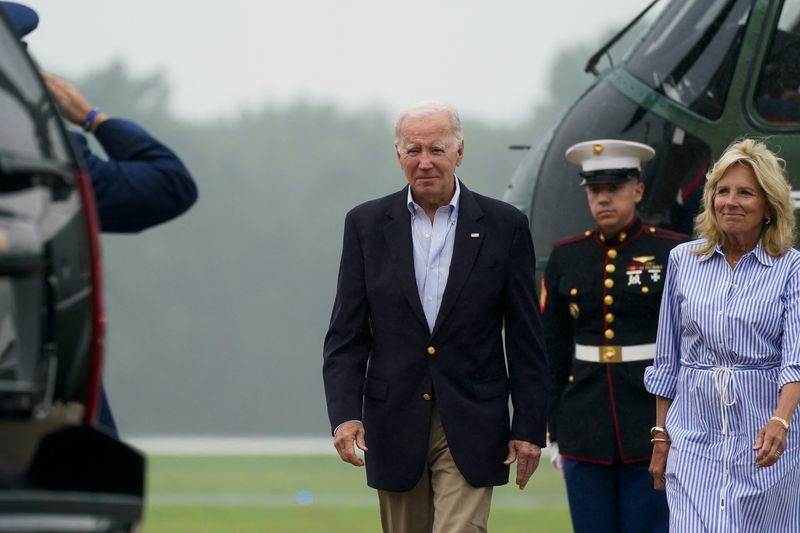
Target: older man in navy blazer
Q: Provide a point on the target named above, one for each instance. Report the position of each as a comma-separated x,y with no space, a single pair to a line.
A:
416,371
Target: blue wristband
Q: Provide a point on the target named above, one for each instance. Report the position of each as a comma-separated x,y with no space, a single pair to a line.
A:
87,124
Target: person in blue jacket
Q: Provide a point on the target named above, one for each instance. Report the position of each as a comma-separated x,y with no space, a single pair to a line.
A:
141,184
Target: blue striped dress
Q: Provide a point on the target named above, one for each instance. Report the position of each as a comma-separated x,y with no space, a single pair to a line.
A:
728,340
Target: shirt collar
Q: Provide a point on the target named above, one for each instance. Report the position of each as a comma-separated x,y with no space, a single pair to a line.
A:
454,201
760,254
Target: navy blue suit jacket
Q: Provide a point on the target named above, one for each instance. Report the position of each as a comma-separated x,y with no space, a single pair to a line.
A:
377,362
142,184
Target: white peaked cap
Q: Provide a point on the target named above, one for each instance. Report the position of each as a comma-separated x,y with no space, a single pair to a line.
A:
608,154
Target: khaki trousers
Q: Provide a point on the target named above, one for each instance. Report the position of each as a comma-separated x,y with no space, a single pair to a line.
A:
442,501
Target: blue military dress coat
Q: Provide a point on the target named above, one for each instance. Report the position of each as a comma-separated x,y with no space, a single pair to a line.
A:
142,184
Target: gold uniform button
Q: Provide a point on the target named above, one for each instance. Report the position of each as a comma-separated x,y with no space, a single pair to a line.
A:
571,379
609,283
608,300
652,229
426,397
645,290
612,254
611,268
609,334
431,350
587,233
609,317
573,291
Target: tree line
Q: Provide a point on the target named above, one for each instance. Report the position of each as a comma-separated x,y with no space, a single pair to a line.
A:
216,320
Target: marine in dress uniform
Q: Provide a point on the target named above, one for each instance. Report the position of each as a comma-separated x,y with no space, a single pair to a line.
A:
600,298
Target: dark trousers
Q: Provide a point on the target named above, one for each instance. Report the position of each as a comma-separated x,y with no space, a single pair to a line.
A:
614,498
105,419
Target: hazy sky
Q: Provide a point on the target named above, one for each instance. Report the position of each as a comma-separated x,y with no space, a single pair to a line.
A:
489,59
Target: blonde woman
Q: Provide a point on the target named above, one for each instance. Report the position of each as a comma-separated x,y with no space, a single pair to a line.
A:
727,368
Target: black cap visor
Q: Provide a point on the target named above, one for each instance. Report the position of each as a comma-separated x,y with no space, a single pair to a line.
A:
609,175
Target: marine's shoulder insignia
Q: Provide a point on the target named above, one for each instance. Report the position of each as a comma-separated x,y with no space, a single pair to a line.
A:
575,238
661,233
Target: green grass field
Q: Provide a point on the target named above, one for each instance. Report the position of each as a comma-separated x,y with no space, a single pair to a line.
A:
287,494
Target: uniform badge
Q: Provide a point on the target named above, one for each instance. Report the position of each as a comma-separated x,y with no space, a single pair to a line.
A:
655,272
645,266
634,275
574,310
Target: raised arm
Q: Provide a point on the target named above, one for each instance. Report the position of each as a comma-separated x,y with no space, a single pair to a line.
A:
143,183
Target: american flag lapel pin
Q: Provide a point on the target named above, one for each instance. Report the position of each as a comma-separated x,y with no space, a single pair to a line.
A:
474,235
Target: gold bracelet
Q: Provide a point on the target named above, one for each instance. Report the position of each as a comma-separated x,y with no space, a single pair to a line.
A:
658,429
783,422
655,439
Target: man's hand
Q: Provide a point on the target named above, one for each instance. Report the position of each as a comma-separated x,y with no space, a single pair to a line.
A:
527,456
347,436
70,101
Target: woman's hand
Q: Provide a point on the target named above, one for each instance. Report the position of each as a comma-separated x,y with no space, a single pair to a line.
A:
658,464
661,444
770,443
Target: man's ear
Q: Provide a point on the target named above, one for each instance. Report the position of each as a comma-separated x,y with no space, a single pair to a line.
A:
638,191
460,152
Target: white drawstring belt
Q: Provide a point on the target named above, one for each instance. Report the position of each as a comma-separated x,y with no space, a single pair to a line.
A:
725,385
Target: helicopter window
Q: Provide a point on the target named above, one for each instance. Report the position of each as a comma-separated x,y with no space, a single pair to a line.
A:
778,94
673,179
690,52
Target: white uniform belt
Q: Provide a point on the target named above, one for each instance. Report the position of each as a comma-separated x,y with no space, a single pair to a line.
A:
615,354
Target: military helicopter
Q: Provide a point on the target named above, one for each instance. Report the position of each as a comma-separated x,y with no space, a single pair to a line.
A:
58,472
703,73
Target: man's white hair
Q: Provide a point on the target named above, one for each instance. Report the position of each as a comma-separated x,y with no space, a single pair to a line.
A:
425,109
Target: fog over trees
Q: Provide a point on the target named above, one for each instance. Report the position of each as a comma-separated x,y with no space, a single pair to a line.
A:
216,320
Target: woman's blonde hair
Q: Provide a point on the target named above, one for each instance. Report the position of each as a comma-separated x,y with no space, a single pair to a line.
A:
777,235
